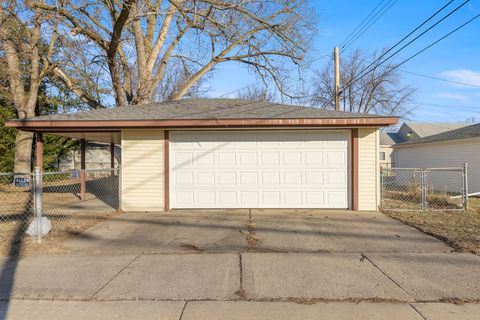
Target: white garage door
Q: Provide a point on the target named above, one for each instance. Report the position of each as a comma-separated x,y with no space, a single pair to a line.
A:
259,169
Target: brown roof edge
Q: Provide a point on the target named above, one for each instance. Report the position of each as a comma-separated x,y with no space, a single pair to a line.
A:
75,125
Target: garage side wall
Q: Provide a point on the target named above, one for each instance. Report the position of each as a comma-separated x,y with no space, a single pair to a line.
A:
368,169
143,177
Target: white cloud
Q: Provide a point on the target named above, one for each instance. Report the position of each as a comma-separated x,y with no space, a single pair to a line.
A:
453,96
462,75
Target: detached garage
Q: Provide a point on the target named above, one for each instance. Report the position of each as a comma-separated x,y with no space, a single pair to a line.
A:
225,153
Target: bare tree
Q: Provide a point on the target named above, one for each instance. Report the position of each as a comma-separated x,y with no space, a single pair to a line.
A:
471,120
140,42
381,91
21,44
255,93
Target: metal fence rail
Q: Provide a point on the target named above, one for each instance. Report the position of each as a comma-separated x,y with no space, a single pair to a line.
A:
56,198
421,189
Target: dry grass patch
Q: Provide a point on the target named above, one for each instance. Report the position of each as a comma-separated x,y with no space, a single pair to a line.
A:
14,241
459,229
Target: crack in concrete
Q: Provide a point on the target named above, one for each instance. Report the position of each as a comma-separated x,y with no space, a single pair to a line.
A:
183,310
417,311
241,293
251,235
288,299
364,257
114,276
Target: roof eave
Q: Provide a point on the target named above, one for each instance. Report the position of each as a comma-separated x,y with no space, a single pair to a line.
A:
79,125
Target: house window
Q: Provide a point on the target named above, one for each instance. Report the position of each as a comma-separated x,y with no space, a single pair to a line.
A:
382,155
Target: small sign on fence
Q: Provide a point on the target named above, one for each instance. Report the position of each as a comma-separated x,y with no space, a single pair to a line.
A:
22,182
75,174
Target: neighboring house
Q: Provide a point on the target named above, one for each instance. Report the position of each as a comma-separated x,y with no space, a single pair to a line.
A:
386,156
447,149
228,153
97,157
410,131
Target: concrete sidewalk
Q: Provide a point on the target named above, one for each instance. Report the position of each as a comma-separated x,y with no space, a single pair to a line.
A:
407,278
240,310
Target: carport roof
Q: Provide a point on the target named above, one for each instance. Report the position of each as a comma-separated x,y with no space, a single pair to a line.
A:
201,113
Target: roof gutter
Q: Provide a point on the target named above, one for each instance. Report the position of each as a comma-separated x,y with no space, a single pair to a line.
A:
109,125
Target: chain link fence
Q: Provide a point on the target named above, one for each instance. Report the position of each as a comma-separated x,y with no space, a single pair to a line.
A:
58,199
421,189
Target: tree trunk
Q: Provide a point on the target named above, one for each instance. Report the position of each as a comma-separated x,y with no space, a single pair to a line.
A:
23,152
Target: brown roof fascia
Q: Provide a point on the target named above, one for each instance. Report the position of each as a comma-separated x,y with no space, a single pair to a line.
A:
109,125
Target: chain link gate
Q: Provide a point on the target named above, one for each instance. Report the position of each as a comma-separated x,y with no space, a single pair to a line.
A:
421,189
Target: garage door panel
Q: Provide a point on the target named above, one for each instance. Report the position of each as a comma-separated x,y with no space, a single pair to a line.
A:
300,169
249,197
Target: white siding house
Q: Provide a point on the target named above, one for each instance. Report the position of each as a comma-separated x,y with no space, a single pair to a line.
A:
449,149
410,132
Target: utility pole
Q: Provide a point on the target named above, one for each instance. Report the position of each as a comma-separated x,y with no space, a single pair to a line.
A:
336,60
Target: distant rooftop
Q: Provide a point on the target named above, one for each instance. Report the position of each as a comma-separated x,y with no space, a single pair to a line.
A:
418,130
425,129
465,132
389,138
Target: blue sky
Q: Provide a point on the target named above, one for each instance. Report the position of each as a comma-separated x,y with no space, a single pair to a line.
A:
455,58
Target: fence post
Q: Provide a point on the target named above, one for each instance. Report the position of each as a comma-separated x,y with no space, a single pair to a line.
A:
37,191
382,172
82,170
465,185
423,190
119,172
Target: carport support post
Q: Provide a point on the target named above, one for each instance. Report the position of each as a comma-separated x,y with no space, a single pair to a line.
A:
37,188
82,170
112,158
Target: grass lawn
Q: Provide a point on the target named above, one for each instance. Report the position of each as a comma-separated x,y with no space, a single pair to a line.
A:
459,229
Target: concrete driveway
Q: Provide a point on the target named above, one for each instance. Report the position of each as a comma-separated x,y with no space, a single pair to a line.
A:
260,264
289,231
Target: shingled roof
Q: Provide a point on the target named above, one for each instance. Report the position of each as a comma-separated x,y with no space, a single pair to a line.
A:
389,138
425,129
472,131
195,113
195,109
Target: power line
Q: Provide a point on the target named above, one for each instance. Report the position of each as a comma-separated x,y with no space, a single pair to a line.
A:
370,23
426,48
440,79
461,108
437,41
239,89
412,32
427,75
367,69
361,23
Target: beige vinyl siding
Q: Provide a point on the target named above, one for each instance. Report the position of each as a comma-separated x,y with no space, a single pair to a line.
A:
368,169
142,170
443,154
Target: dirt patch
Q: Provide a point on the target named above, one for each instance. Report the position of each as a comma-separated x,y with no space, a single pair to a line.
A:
412,200
460,229
61,204
14,241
